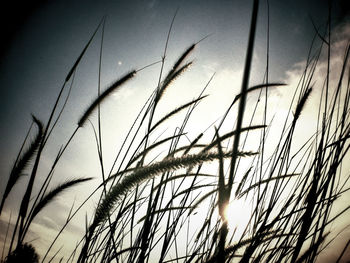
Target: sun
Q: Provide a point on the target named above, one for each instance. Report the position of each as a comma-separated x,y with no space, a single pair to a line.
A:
237,214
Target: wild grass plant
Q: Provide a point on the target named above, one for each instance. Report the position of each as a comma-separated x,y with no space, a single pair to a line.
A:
168,198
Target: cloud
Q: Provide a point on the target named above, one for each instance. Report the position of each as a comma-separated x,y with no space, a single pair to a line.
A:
340,40
281,98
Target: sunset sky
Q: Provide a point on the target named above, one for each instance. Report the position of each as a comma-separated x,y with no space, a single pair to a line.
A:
44,41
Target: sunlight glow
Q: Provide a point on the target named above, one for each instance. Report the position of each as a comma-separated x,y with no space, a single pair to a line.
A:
237,214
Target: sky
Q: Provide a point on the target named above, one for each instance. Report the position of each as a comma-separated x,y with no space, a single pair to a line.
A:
44,39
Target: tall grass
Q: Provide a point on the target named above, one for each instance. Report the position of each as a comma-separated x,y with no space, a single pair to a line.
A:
174,207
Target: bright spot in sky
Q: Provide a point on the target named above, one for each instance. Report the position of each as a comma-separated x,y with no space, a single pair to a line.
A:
237,214
119,63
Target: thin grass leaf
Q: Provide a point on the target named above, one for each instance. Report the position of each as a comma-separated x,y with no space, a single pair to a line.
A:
265,182
164,210
230,134
192,189
193,143
311,250
233,248
343,251
200,200
318,32
256,87
125,250
177,110
338,141
187,148
178,259
154,145
176,177
242,182
53,257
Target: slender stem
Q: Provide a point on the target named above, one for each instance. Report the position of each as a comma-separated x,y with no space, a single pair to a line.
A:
245,83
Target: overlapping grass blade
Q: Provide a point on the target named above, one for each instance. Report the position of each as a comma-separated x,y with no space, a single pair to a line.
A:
22,163
175,111
265,181
141,174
